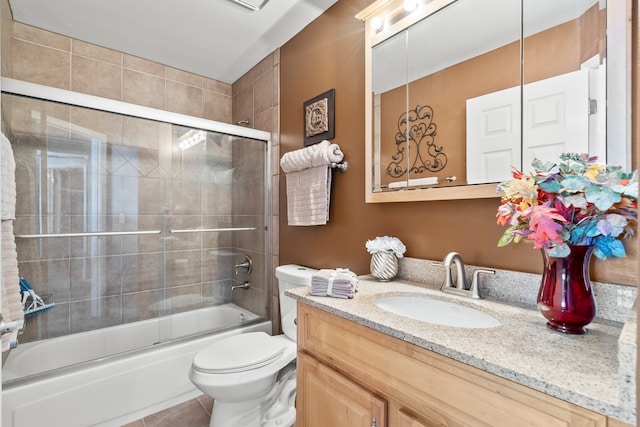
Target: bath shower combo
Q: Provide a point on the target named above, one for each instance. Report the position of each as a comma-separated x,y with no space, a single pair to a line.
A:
133,225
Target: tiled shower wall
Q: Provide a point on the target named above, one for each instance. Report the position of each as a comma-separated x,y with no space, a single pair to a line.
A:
50,59
84,171
46,58
256,98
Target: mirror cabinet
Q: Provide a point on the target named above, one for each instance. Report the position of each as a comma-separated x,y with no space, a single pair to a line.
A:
460,91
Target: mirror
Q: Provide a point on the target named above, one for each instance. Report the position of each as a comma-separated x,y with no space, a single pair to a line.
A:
459,91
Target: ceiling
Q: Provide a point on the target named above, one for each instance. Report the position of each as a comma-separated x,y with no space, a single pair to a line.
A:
219,39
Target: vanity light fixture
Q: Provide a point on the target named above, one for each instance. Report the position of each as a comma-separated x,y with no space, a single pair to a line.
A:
377,24
252,4
192,138
411,5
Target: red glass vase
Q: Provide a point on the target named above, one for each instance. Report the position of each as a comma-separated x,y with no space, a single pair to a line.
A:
566,298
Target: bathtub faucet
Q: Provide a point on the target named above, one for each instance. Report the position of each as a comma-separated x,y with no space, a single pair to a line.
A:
245,285
247,264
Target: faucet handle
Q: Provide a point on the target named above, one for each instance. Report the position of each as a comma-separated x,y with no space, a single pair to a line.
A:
475,285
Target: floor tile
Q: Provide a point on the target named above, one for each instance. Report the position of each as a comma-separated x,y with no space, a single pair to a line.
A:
192,413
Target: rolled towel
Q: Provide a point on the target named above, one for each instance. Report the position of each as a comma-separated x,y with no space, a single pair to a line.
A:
8,190
338,283
323,153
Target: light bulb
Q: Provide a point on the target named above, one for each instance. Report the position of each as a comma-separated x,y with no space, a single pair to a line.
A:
410,5
377,24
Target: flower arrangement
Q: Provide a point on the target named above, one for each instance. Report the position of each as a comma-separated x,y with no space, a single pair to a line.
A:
386,244
574,202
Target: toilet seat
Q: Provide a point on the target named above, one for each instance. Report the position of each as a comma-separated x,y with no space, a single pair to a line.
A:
238,353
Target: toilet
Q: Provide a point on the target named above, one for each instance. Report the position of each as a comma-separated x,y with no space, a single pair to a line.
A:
251,376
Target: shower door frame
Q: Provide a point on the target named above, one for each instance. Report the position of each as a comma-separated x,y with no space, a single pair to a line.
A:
46,93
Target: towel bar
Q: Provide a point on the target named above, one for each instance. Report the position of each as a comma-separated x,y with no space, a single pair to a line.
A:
206,230
343,166
90,234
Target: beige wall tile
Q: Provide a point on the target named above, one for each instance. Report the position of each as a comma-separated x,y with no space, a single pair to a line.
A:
264,121
141,133
96,77
143,89
216,86
183,77
275,222
242,83
275,168
276,84
42,37
275,133
96,52
274,313
263,92
6,38
217,107
107,124
243,105
183,99
264,66
53,64
143,65
30,115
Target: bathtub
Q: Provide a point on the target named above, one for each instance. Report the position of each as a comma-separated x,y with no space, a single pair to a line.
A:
119,384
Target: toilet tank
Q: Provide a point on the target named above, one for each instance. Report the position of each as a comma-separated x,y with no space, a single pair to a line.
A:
291,276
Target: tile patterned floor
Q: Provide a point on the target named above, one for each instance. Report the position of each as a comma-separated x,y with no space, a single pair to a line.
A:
192,413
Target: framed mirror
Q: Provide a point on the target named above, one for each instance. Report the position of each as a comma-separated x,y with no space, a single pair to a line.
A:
461,91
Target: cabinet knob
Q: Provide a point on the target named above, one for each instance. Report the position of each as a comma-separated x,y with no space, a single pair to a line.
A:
373,422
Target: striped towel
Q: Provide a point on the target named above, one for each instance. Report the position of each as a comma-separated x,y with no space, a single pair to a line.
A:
308,196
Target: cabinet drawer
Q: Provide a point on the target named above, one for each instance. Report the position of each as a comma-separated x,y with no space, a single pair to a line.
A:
429,383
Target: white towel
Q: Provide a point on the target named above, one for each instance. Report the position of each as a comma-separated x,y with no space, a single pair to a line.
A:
7,180
338,283
308,196
11,298
322,153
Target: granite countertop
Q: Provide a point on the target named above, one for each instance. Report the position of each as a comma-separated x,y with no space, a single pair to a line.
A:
581,369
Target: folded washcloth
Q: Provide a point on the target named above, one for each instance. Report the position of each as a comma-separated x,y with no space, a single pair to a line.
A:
320,154
338,283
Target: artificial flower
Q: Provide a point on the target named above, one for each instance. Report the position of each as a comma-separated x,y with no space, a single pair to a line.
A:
573,202
386,244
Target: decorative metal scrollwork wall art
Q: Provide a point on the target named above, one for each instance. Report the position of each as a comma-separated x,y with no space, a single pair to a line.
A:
416,139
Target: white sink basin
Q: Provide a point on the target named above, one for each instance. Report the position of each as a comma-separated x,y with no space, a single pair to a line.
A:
437,312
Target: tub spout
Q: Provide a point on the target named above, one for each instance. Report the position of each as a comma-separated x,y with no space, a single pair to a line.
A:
245,285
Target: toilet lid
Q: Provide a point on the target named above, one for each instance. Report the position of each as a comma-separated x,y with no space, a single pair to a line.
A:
238,353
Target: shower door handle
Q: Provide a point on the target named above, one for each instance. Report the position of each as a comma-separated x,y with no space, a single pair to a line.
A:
8,327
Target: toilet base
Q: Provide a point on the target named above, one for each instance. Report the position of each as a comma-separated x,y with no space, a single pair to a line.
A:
275,408
236,414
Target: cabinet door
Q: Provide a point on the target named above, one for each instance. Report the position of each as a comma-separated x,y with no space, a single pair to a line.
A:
327,398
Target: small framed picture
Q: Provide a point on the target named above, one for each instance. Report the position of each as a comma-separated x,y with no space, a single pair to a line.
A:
319,118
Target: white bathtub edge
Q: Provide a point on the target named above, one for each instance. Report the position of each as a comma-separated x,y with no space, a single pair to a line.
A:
114,393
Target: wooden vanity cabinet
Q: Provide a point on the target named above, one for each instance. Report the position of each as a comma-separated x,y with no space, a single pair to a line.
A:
348,374
335,399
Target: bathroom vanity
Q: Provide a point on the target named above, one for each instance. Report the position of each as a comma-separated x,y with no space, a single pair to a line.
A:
357,363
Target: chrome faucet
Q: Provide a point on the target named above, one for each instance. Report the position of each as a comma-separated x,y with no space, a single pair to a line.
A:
244,285
460,287
246,263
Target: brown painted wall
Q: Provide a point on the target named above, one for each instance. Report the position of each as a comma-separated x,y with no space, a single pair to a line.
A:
329,53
